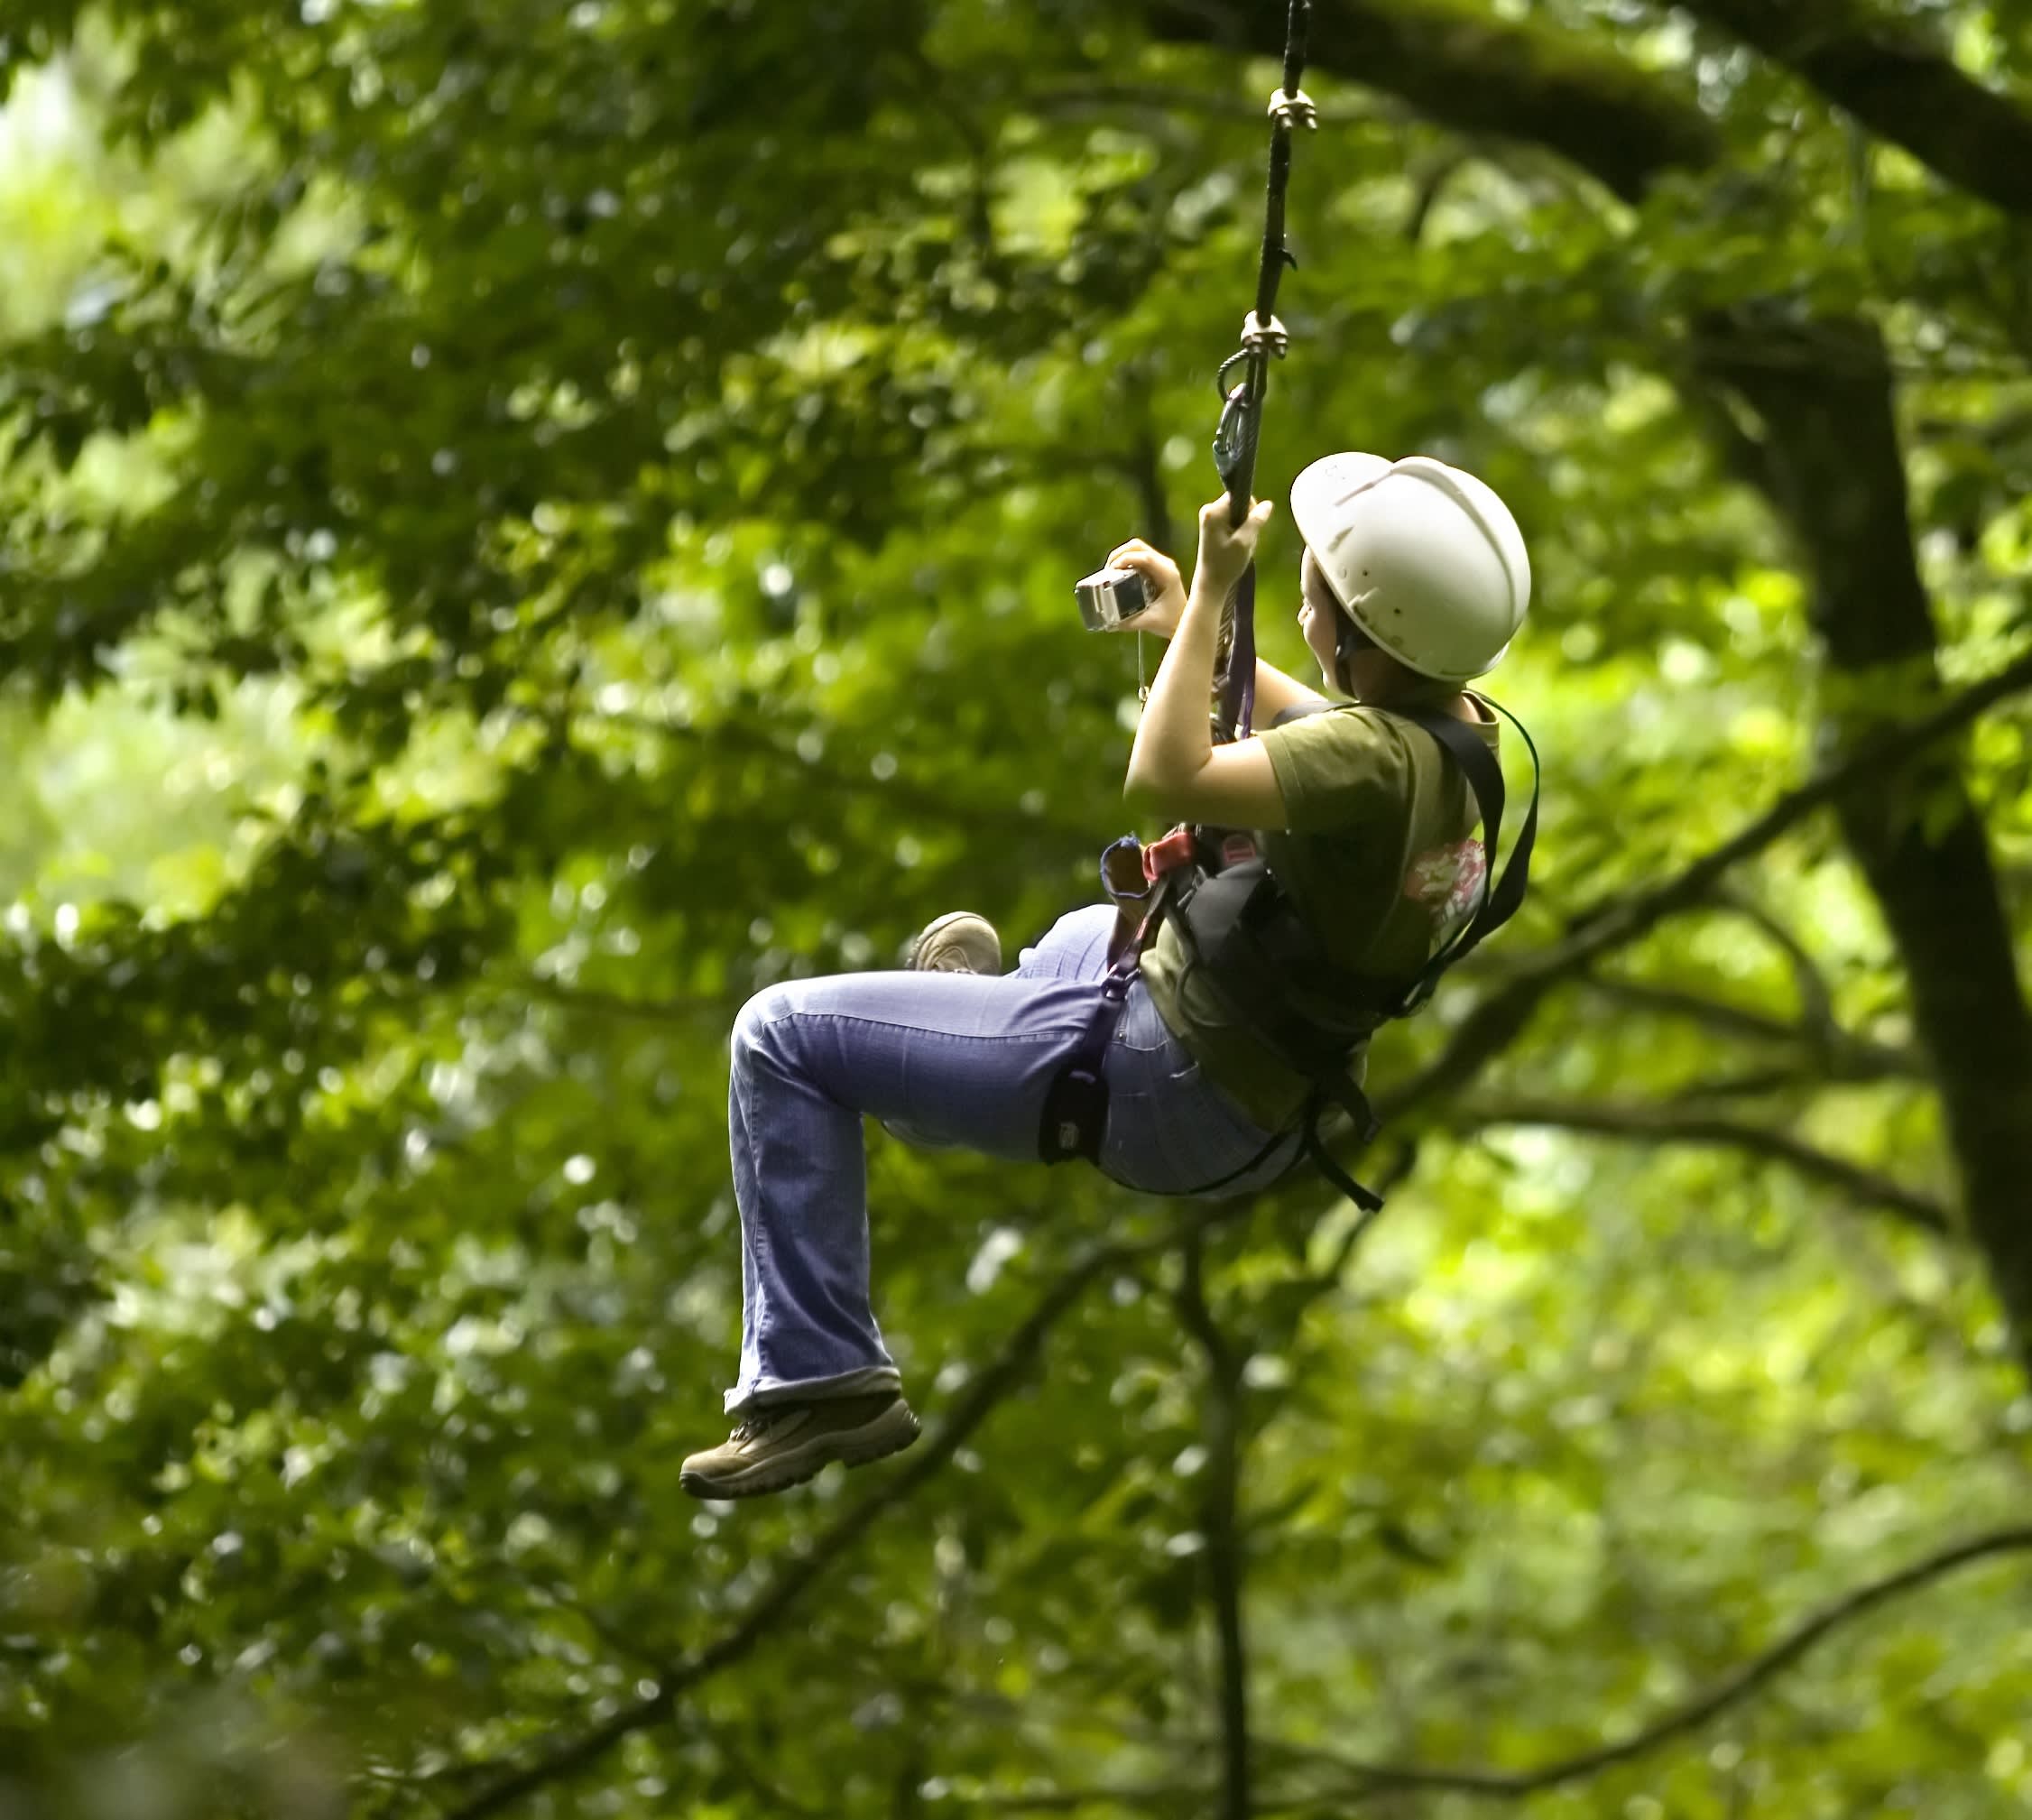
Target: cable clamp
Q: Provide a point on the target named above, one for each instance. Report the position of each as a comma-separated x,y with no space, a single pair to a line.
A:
1292,110
1260,337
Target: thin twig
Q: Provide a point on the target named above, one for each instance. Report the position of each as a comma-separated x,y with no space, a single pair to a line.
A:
1816,998
1668,1125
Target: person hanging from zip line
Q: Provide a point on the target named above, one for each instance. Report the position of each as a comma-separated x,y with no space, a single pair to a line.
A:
1185,1037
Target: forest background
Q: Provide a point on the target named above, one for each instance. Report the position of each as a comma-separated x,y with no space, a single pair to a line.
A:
525,523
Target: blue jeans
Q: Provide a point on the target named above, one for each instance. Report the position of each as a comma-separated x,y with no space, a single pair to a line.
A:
951,1059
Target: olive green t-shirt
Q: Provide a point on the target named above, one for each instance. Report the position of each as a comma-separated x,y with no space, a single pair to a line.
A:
1378,856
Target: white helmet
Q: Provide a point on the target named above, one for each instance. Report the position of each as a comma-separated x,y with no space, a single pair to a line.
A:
1426,559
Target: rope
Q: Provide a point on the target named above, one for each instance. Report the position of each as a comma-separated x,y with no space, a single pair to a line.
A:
1264,339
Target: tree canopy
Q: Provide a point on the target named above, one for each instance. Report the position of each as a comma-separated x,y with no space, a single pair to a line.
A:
527,523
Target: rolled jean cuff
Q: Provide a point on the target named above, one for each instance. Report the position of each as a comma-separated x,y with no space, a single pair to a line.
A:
855,1383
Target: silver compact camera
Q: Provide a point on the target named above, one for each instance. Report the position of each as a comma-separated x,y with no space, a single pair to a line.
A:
1110,596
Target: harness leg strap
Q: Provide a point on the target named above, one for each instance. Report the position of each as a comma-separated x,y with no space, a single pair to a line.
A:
1076,1108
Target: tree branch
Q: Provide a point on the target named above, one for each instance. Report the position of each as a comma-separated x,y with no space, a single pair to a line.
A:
1373,1779
1665,1126
1503,1014
1675,1002
1466,68
561,1759
1745,1084
1379,1779
1901,87
1431,181
1847,1057
1839,483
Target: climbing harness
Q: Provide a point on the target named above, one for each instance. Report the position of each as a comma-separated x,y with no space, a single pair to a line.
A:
1240,929
1270,972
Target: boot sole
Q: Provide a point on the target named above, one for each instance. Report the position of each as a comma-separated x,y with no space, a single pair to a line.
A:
889,1433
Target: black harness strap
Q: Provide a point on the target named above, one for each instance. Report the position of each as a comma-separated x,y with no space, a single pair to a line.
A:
1500,899
1267,969
1251,949
1075,1106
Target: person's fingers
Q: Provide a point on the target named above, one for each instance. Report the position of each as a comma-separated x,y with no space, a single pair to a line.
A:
1214,515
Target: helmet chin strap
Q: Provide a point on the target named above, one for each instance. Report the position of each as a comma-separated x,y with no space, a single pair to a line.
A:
1348,639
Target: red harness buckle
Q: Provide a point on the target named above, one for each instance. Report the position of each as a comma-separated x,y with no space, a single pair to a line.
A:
1167,855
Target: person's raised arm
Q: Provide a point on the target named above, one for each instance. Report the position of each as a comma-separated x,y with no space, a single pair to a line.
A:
1175,769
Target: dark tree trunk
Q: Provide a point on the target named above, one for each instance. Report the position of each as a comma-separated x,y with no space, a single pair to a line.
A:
1824,390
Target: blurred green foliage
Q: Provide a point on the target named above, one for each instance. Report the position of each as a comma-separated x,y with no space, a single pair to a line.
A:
526,523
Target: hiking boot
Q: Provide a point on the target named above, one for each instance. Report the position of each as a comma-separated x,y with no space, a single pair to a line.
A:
958,943
785,1444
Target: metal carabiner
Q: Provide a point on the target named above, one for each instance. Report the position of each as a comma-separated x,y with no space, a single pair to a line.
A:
1231,434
